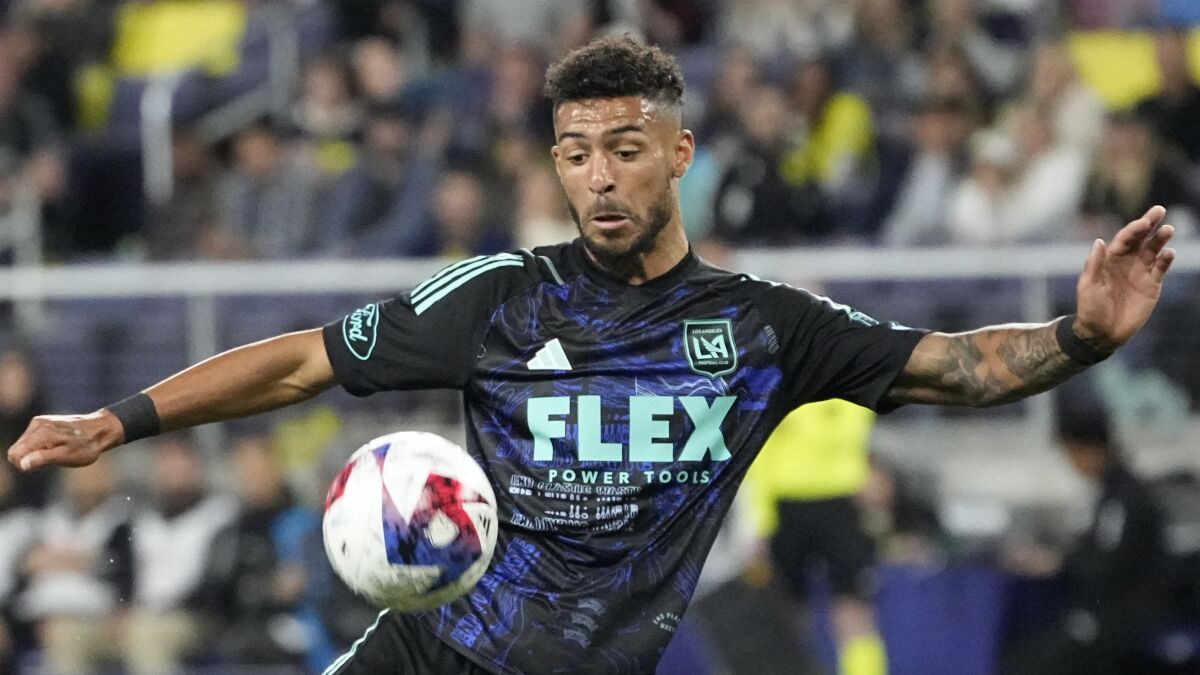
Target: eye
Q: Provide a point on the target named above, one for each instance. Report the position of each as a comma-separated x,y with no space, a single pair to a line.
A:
577,159
626,154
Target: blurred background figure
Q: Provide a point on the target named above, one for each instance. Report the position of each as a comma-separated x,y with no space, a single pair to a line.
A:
541,211
81,572
172,542
18,525
1131,167
22,396
755,204
803,484
460,224
1074,110
1172,112
978,203
256,585
1115,574
374,208
772,29
836,137
928,170
267,199
187,225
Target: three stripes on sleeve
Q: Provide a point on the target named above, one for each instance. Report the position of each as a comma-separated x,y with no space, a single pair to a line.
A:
453,277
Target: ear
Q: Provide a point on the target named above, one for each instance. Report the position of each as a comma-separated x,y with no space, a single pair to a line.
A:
555,153
685,151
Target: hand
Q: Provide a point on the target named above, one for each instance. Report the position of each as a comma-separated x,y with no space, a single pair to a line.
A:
66,440
1121,281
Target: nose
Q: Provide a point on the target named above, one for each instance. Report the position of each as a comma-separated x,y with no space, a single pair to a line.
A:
601,181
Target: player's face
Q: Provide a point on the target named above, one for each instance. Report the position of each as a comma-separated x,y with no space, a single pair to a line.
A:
618,160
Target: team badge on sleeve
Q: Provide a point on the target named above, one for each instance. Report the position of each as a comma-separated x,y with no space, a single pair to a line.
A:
360,330
709,346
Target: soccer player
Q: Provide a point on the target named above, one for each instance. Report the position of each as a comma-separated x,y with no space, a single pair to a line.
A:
616,388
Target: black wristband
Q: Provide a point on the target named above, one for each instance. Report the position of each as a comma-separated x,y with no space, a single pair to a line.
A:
1075,347
138,416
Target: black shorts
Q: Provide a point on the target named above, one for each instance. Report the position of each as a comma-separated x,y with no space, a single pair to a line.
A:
398,644
824,534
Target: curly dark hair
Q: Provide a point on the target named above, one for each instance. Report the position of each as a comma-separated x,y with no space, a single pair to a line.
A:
613,67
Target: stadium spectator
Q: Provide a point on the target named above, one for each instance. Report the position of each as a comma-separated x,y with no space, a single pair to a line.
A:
953,76
957,23
255,584
500,98
1174,110
838,139
551,26
21,397
674,23
1076,112
185,226
754,204
375,208
905,528
50,41
1045,197
17,530
933,166
512,152
786,29
80,572
1025,192
1113,575
30,152
172,539
343,614
459,223
541,211
737,76
267,198
327,109
1131,168
978,202
882,64
380,71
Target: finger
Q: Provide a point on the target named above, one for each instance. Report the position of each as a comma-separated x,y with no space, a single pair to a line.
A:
34,438
1155,215
1130,237
60,454
1156,243
1161,264
1094,260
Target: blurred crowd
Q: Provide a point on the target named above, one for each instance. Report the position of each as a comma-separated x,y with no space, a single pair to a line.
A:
418,127
154,571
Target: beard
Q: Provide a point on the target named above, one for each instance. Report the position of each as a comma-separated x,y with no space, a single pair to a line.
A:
616,254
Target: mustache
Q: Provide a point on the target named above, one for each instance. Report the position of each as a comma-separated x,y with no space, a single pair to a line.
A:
608,206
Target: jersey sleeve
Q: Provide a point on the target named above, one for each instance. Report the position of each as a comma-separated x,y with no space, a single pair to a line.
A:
830,350
426,338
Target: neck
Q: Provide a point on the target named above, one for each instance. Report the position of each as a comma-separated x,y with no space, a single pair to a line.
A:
669,248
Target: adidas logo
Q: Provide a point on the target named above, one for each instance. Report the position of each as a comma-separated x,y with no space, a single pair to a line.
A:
550,357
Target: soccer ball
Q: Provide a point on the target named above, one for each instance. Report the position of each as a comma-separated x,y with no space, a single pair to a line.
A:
410,521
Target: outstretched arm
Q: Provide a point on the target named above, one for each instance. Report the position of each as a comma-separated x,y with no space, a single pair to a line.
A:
255,378
1119,287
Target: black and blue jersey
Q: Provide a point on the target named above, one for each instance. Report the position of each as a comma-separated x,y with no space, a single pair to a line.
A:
615,423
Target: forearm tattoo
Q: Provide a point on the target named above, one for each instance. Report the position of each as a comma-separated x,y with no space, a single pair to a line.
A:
986,367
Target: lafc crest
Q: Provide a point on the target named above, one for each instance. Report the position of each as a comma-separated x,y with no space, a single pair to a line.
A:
709,346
